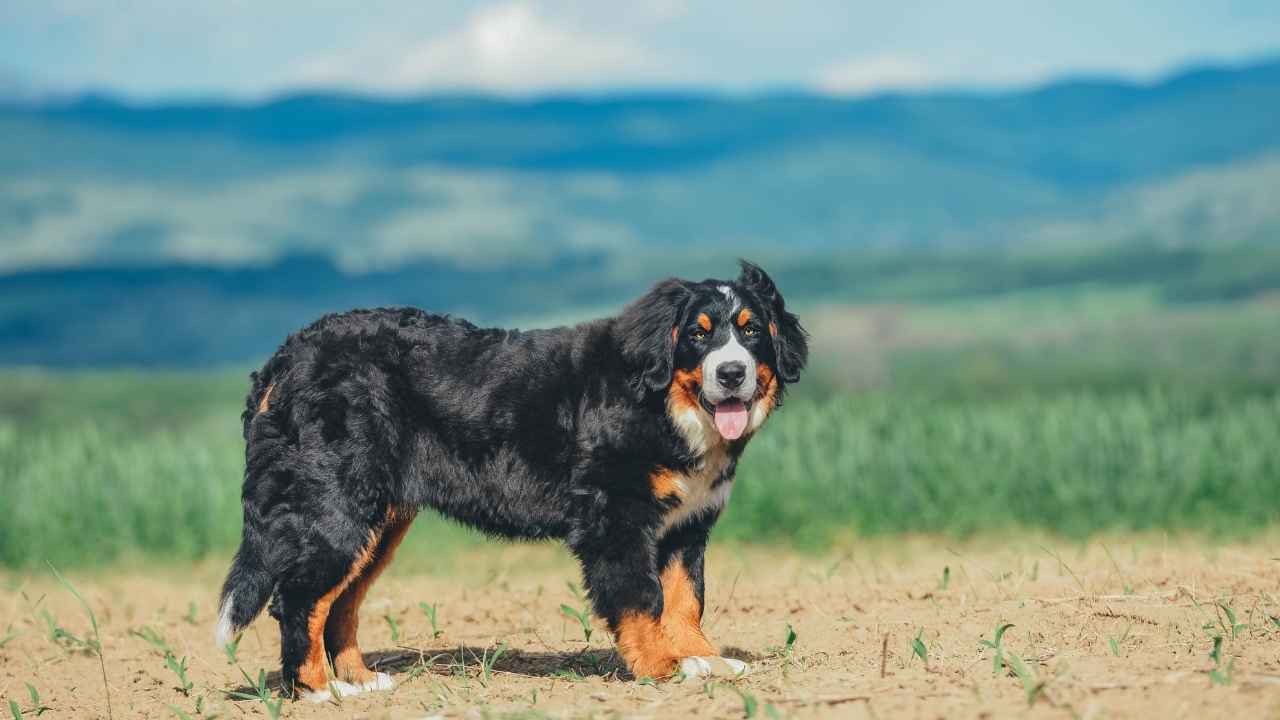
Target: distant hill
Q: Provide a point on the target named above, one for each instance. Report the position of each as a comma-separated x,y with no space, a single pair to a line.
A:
136,225
180,315
1072,135
378,181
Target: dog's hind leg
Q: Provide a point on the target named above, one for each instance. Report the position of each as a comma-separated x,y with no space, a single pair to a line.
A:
306,601
344,622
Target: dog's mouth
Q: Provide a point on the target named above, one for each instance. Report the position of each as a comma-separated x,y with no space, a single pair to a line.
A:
730,416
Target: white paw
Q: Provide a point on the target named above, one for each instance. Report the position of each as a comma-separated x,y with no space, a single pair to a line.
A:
713,666
336,689
380,681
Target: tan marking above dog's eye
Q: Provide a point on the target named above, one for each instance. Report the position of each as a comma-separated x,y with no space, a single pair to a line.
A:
744,317
704,321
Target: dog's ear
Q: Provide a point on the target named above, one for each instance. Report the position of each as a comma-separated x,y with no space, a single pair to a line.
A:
790,341
647,330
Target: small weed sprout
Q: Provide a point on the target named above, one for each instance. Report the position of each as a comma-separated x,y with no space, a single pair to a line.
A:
945,582
1115,644
583,616
997,661
179,668
62,637
261,693
153,638
395,627
1230,626
1220,675
190,617
184,715
430,611
231,649
1030,684
487,662
171,661
919,649
749,703
37,708
97,638
786,649
583,619
9,634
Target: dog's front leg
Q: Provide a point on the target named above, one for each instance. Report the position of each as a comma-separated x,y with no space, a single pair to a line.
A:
618,552
681,554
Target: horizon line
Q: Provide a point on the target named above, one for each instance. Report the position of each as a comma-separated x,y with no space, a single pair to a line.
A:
55,99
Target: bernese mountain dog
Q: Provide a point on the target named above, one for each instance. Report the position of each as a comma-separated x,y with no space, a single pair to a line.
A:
619,436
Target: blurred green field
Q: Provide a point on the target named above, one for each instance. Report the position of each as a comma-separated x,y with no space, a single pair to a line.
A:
1070,413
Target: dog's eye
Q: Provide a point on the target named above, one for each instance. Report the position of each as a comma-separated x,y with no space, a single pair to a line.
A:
698,335
751,331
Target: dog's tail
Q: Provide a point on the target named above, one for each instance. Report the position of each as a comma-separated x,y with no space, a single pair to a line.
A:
245,593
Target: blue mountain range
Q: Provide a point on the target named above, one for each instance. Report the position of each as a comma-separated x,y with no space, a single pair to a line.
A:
126,229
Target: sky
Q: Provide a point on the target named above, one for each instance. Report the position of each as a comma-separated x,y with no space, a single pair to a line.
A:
254,48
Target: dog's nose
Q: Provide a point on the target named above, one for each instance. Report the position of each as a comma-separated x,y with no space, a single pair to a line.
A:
731,374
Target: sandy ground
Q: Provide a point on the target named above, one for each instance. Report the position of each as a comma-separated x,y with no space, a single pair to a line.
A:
1117,629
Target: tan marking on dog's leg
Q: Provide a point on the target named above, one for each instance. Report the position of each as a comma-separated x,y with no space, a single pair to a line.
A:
644,646
312,673
682,613
344,619
265,403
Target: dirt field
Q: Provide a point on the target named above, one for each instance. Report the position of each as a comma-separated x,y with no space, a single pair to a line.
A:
1122,629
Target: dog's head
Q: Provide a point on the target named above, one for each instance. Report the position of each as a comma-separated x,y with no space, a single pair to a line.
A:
722,350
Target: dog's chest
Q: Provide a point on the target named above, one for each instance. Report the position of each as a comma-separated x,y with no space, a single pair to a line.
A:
702,489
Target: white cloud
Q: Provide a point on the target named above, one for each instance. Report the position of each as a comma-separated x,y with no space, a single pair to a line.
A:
511,47
868,75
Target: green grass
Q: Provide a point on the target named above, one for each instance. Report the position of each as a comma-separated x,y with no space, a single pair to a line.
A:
1137,419
1073,463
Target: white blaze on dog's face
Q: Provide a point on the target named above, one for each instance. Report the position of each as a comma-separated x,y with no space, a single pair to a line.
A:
729,384
725,383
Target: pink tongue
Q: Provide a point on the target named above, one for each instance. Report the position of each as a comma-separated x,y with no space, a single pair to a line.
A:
731,419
